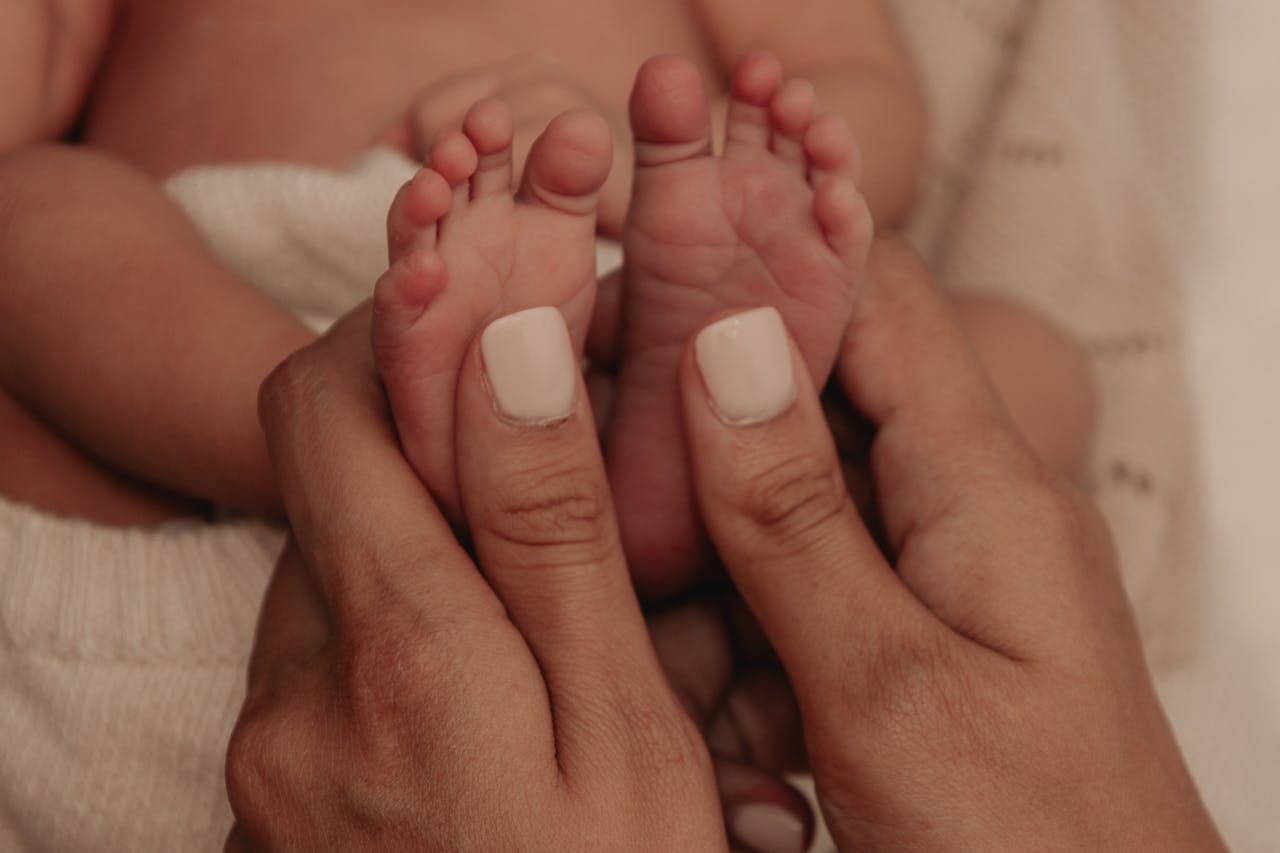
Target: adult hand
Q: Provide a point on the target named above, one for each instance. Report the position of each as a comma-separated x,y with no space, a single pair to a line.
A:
399,698
537,89
982,686
724,671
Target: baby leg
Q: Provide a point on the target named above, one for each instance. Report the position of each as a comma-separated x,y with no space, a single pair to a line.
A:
41,468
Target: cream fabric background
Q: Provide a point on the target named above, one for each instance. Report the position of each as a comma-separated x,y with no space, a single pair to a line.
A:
1163,113
1225,703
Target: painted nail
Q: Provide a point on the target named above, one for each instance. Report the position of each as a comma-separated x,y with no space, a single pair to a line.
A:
745,361
529,364
767,829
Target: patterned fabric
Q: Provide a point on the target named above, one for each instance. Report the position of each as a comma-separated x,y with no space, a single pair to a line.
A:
1058,178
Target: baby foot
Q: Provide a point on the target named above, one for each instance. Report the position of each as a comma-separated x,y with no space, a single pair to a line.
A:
464,250
777,220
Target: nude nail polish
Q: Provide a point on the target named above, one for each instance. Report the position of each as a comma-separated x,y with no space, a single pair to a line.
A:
529,366
745,362
767,828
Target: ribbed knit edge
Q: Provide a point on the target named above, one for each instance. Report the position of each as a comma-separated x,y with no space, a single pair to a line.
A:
186,592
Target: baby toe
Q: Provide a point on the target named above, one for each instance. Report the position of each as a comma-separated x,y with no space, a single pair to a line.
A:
831,150
414,212
791,113
755,82
568,163
455,158
845,219
670,118
419,336
490,128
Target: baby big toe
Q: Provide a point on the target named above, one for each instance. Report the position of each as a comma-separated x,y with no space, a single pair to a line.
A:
568,163
669,114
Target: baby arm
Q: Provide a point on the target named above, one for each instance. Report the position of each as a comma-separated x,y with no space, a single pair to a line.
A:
120,330
855,58
108,307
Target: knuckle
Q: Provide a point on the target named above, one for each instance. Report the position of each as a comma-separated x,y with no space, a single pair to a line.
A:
1059,514
791,498
399,671
898,682
379,680
285,389
386,666
1073,532
564,505
662,739
256,770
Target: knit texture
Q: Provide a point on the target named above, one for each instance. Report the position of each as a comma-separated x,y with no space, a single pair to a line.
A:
122,666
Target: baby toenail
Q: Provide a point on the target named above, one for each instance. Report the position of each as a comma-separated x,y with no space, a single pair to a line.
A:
745,361
529,365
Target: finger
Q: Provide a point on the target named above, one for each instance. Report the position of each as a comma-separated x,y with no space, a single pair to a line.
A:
772,494
762,813
963,500
541,517
752,727
695,651
906,366
758,723
371,536
273,770
748,716
292,625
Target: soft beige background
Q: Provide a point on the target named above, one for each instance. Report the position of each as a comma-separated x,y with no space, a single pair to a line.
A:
1226,703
